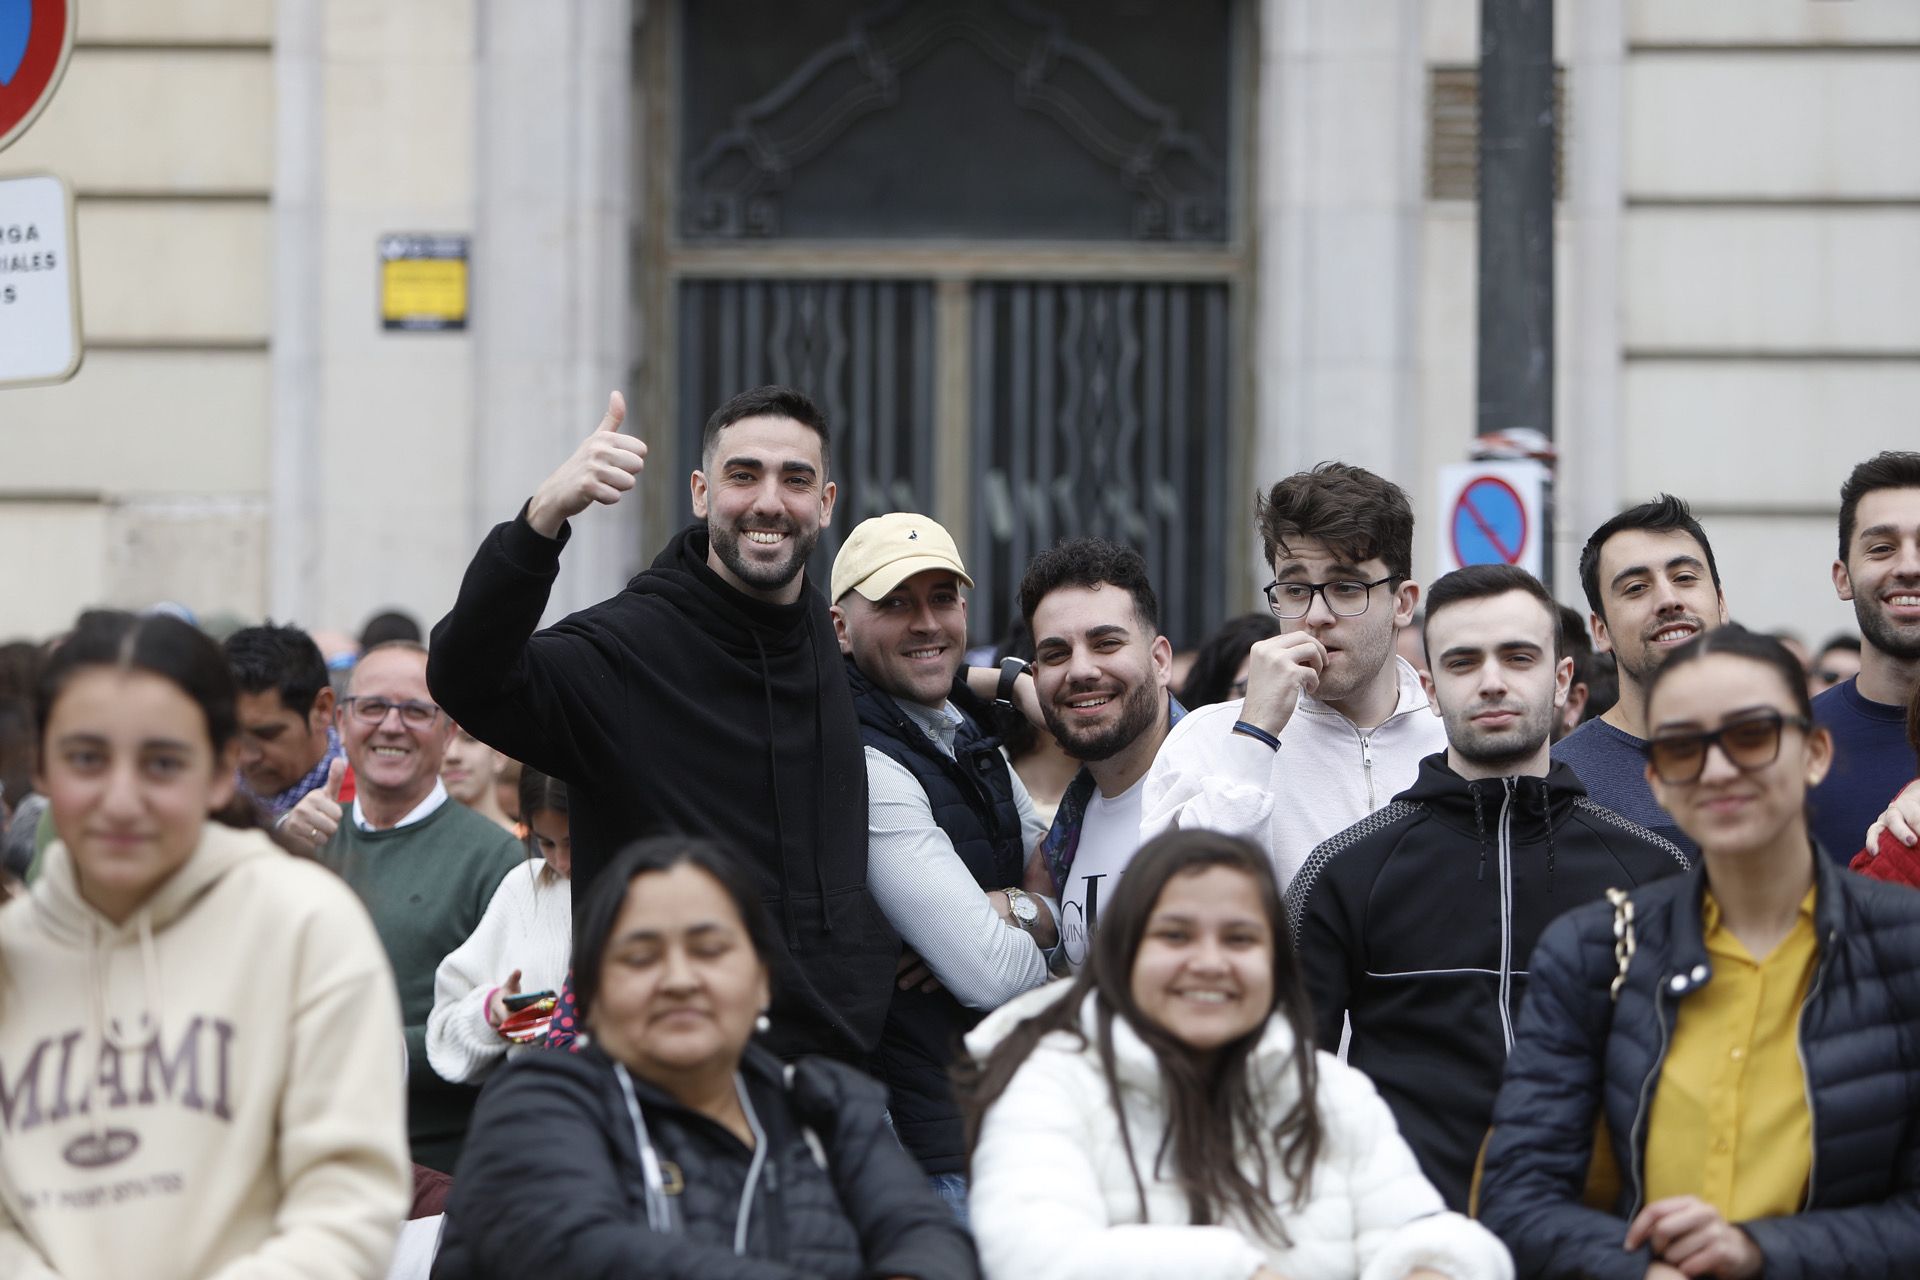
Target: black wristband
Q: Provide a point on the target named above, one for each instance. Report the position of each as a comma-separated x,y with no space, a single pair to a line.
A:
1255,732
1011,669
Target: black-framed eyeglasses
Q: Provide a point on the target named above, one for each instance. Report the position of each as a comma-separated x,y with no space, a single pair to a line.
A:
1749,744
1345,599
414,714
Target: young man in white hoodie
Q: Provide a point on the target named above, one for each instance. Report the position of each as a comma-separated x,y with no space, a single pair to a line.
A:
1335,723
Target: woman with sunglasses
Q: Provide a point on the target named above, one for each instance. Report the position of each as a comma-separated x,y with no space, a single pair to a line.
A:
1746,1037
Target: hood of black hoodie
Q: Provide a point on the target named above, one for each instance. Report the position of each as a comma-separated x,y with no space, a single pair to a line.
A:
1473,808
732,619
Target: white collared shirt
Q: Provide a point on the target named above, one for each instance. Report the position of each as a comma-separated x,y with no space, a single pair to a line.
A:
435,798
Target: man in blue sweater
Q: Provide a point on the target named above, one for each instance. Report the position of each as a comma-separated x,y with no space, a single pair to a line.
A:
1879,571
1652,584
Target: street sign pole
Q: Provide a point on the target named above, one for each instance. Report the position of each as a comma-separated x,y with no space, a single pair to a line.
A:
1517,129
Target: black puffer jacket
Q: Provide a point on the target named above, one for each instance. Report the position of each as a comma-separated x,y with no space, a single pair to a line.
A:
1578,1052
1417,922
551,1183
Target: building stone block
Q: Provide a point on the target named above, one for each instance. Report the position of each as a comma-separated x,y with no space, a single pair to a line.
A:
1776,569
143,423
1743,280
56,564
1769,435
175,272
149,121
208,553
183,21
1772,21
1817,126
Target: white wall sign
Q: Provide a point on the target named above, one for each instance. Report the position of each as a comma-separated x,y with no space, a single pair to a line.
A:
1492,513
39,286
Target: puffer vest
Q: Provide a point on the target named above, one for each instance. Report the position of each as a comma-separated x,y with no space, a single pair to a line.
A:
972,800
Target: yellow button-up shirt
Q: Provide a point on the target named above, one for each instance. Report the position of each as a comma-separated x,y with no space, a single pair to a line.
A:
1730,1122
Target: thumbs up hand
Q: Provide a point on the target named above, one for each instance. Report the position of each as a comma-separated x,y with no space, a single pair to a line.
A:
312,822
606,465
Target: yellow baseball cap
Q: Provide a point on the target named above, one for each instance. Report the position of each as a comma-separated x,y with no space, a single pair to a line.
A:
885,551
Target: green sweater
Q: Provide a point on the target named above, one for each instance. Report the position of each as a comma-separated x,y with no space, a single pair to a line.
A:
426,885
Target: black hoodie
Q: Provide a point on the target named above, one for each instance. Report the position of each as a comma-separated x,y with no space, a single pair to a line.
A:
1417,921
683,705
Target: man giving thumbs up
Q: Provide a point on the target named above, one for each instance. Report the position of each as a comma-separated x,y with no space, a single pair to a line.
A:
706,698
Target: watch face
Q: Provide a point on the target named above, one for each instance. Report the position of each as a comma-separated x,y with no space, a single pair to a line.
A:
1023,907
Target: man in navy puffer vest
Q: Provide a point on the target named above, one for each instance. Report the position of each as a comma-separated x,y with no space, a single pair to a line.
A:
949,825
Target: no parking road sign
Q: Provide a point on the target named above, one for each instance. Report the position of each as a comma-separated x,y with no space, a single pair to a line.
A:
36,38
1492,513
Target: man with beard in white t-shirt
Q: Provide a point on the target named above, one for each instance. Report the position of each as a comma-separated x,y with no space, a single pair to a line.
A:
1101,669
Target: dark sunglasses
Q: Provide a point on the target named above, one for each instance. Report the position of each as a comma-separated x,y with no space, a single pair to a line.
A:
1753,743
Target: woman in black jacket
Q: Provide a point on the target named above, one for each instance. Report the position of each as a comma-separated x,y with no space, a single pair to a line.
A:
670,1147
1748,1035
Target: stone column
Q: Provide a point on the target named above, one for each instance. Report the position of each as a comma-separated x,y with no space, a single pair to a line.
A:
554,320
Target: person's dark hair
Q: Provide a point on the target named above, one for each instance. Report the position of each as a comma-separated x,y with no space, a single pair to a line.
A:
16,753
1665,514
1212,1110
1483,582
1893,469
157,643
598,909
387,626
540,792
1913,723
20,663
1603,685
1736,641
1357,514
1843,641
284,659
768,402
1573,629
1090,562
1210,678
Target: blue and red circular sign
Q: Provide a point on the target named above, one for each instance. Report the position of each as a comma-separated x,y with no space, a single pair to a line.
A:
1489,524
36,38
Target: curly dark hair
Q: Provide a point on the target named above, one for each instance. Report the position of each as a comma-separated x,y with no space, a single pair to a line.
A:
1357,514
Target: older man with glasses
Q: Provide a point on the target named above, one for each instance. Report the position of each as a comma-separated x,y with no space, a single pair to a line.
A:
426,869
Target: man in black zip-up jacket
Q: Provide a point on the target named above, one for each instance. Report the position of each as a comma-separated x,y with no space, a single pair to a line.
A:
708,697
1414,924
1581,1056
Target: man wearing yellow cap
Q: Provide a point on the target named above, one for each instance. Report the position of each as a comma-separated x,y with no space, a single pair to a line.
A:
949,825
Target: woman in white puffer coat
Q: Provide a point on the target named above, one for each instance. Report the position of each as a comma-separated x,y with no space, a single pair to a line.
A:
1160,1115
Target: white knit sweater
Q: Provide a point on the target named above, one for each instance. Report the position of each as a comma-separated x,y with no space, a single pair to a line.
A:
1052,1198
528,926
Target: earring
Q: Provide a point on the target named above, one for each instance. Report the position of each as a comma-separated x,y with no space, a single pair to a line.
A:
763,1023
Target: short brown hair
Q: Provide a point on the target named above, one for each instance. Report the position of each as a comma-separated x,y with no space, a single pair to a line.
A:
1356,513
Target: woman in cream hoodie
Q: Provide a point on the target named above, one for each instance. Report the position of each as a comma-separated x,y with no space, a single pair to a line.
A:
199,1036
1165,1113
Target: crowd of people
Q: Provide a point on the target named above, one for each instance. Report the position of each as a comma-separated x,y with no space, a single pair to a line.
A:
740,927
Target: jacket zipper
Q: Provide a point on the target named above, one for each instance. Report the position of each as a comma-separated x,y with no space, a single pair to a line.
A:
1366,764
1504,838
1806,1078
1636,1148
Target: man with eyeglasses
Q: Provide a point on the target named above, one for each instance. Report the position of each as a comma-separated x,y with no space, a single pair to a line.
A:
1334,723
1415,924
425,868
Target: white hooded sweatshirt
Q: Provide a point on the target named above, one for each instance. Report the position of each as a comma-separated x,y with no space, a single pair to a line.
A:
210,1090
1327,775
1052,1198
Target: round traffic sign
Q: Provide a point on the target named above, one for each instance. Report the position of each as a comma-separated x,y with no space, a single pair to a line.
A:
1489,523
36,38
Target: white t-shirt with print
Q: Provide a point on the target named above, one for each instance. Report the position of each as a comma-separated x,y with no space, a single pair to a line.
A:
1109,837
